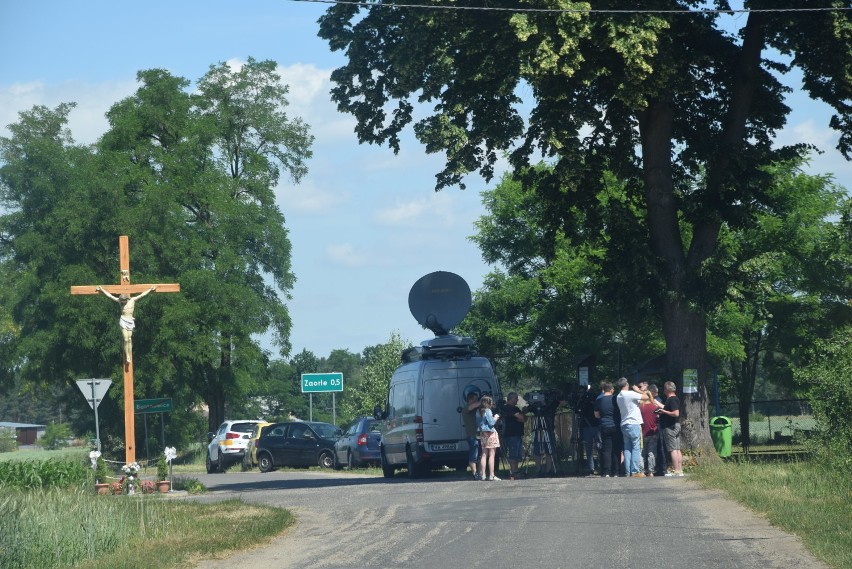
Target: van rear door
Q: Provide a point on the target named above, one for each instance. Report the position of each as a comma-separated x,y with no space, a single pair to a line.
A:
444,383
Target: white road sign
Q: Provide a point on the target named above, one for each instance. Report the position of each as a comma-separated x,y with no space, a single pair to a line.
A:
94,390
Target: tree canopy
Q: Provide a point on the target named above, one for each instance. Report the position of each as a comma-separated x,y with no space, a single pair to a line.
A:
681,103
190,178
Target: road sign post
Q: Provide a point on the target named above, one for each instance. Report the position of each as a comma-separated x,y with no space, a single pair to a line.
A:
94,391
323,383
146,406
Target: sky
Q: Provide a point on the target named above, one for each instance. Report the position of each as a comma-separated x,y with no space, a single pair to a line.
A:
365,224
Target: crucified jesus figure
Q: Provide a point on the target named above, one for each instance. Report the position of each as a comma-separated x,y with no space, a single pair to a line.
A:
128,303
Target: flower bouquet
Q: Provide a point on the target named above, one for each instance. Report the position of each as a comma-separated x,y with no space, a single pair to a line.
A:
131,475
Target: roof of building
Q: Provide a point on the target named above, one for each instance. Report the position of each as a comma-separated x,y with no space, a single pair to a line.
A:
10,425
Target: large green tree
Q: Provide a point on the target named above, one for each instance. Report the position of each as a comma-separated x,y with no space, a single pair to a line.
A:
190,177
679,101
791,281
552,301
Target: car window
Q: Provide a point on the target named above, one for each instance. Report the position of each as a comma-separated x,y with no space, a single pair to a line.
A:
353,429
243,427
374,427
297,431
223,428
277,432
325,430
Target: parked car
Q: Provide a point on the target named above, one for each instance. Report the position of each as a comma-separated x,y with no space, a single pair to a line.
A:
250,456
227,445
296,444
359,445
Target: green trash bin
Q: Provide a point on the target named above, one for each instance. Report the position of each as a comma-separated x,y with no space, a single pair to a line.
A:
720,432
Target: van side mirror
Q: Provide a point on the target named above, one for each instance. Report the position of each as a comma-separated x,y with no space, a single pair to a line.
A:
210,436
378,414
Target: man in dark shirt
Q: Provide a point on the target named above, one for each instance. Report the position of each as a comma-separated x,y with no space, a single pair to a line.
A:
670,425
605,412
513,433
589,428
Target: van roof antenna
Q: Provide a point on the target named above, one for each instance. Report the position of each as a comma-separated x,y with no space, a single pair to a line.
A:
439,301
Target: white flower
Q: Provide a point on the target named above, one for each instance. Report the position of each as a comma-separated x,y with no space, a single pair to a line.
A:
131,468
170,453
93,456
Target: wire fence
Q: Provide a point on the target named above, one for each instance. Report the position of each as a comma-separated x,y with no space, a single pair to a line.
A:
781,421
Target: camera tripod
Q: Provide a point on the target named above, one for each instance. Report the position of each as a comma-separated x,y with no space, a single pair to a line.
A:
546,445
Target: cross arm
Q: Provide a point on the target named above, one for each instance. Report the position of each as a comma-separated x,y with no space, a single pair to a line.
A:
125,289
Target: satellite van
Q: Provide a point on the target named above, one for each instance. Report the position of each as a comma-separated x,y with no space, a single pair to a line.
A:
423,426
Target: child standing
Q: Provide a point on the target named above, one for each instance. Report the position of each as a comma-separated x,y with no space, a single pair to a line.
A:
488,439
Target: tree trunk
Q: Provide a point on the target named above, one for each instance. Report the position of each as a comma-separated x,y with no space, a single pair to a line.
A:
684,326
686,349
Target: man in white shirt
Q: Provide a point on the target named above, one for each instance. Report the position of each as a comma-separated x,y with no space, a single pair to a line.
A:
631,425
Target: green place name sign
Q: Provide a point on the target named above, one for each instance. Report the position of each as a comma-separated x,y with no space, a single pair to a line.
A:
322,382
152,406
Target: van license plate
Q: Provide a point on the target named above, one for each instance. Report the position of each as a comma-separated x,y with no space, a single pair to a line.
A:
446,446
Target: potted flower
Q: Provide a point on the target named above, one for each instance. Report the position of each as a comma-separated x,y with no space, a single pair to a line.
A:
131,475
101,472
163,483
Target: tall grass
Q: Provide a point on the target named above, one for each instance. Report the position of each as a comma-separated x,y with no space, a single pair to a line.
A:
804,498
61,528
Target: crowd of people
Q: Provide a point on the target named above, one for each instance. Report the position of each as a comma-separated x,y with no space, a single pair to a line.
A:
639,431
634,433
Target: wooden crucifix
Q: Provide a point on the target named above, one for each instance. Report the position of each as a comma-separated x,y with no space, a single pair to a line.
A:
123,294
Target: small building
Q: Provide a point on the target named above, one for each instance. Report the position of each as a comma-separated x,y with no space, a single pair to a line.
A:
25,433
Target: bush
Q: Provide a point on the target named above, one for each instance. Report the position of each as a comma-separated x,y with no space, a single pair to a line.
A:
828,381
55,436
101,471
162,468
8,440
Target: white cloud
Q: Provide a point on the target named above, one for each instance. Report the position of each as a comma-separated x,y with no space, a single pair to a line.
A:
87,121
346,255
309,198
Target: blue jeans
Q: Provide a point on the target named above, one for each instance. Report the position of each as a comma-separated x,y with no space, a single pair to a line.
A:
632,451
591,435
515,448
473,449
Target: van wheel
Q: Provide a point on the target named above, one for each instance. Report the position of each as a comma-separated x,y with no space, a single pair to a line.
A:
387,470
209,464
337,465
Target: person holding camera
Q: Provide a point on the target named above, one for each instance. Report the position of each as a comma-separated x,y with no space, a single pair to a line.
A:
489,441
513,433
471,431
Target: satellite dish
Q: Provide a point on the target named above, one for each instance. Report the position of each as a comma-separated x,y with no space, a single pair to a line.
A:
439,301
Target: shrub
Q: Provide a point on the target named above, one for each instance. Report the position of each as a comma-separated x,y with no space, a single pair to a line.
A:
828,381
162,468
8,440
55,436
101,471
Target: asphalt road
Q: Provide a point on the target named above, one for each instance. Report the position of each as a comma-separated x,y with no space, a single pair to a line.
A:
448,522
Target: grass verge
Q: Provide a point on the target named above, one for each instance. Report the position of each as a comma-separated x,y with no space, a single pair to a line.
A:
62,528
803,498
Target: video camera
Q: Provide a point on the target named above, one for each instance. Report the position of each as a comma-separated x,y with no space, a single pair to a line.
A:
540,400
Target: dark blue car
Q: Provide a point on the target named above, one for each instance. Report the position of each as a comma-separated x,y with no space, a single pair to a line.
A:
359,445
